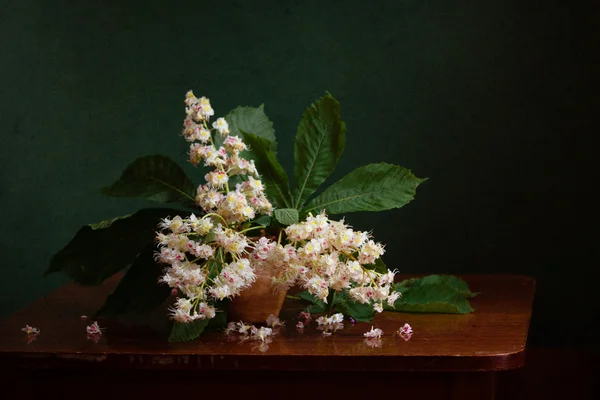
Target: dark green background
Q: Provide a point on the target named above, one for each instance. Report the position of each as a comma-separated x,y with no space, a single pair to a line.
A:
492,100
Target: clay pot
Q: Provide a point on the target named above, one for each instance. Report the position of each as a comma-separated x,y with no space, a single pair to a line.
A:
257,302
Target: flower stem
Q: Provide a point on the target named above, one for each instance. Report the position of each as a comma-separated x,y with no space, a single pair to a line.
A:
331,301
253,228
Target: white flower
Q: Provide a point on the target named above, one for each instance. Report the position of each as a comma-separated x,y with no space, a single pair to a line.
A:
203,135
176,225
335,318
217,179
221,126
373,333
203,251
332,323
393,297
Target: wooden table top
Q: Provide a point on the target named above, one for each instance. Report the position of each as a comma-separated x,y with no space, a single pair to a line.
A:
492,338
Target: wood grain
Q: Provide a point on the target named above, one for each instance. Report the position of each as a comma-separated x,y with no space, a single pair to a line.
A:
492,338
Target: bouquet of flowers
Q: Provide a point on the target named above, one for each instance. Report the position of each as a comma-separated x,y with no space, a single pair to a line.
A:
245,222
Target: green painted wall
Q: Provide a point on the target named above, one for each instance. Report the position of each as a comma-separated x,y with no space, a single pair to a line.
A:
492,100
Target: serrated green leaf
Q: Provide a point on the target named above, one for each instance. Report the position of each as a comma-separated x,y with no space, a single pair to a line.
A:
98,251
156,178
286,216
373,187
138,291
252,120
433,294
184,332
277,187
318,145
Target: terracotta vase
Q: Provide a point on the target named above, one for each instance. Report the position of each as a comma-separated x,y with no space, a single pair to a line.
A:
256,303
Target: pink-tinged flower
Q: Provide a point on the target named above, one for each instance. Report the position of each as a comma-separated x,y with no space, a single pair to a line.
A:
84,317
94,329
373,333
304,315
300,325
406,329
30,330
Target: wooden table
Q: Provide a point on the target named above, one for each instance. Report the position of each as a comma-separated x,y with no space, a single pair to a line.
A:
448,356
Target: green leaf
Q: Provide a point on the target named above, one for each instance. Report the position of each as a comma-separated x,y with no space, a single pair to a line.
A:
264,220
358,311
138,291
433,294
277,187
373,187
252,120
341,302
219,322
286,216
455,282
156,178
316,306
184,332
98,251
318,146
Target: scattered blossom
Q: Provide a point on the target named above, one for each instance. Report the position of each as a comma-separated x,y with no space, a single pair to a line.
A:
405,332
94,329
330,323
273,321
262,333
373,333
405,329
30,330
300,325
305,315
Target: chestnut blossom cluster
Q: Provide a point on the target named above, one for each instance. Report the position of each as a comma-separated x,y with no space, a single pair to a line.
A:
216,196
324,255
206,256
